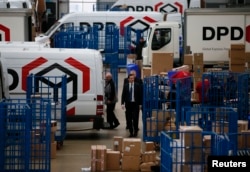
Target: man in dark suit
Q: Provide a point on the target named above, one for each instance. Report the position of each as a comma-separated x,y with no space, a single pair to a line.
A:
131,99
137,80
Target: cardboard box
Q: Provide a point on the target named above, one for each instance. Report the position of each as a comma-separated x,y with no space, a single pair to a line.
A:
149,146
113,160
237,58
220,127
188,50
247,57
242,125
53,126
194,96
198,59
146,166
237,67
198,70
237,47
195,81
192,168
170,126
146,72
38,151
161,117
52,137
117,143
245,139
207,143
149,156
98,157
193,155
53,150
188,59
131,146
192,136
161,62
131,163
151,127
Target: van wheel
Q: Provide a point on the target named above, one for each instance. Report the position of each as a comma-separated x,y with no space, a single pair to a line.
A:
59,145
98,123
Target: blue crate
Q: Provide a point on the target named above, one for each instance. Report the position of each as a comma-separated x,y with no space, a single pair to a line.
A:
242,146
227,89
209,118
53,88
178,156
25,135
161,97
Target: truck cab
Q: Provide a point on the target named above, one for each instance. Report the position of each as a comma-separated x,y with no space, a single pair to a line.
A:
163,37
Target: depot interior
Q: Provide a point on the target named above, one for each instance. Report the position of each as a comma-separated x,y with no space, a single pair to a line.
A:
111,150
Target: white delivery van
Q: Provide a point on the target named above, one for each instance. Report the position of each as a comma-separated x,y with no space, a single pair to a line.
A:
22,44
136,20
83,68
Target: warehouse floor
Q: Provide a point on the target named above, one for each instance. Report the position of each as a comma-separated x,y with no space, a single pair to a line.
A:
75,153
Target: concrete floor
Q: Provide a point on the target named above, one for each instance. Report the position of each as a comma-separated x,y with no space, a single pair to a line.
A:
76,153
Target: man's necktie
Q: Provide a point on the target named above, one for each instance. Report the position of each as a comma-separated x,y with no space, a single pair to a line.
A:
130,92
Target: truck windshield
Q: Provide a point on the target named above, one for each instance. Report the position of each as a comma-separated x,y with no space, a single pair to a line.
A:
51,29
161,37
58,27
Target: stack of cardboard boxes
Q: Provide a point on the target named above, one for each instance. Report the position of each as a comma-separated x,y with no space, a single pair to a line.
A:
39,150
198,66
98,157
161,62
53,146
187,150
128,154
149,156
188,60
237,58
195,61
131,157
192,141
161,120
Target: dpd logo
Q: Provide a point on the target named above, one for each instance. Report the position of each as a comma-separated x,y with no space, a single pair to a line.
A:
130,22
168,8
234,32
72,77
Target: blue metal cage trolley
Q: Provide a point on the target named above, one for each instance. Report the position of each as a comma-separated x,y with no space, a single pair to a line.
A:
25,135
53,88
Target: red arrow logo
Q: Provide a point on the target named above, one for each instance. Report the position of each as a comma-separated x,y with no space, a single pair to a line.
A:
27,68
85,72
6,32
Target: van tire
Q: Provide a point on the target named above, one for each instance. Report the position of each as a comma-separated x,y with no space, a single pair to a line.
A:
98,123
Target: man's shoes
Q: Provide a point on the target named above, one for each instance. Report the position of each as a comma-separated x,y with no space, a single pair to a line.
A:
131,135
135,134
116,125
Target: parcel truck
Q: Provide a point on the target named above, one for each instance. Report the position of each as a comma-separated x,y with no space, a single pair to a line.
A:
15,24
82,67
164,6
207,31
